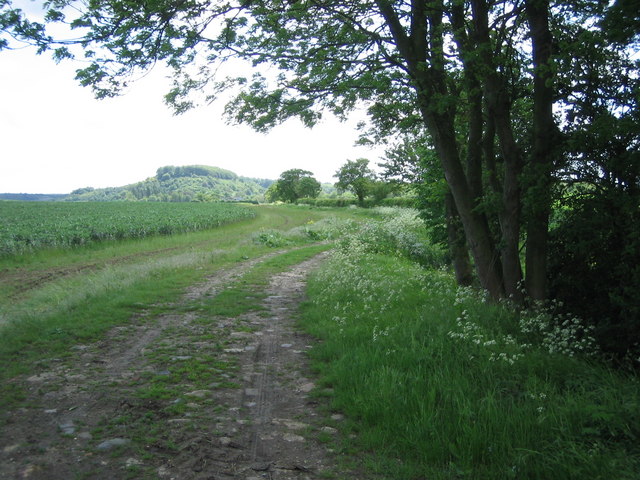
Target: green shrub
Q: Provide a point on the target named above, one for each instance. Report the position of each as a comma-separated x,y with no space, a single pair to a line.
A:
271,238
399,232
594,268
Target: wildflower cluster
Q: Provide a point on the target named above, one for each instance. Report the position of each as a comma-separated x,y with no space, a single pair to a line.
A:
380,332
371,293
466,294
501,348
539,399
368,293
539,326
558,333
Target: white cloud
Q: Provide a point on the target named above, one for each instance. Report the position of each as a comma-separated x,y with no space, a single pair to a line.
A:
55,137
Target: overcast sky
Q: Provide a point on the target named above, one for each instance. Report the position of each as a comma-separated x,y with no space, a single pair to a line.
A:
55,137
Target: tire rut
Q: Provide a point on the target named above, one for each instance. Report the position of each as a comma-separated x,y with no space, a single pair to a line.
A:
257,422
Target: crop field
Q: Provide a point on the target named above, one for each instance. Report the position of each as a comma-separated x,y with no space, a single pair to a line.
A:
29,226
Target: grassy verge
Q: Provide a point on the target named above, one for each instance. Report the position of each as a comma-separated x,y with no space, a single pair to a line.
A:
441,385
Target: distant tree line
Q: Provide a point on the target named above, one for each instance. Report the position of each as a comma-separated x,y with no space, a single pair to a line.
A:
167,172
196,183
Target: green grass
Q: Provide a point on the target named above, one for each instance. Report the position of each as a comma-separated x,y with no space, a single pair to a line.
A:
436,401
436,382
247,294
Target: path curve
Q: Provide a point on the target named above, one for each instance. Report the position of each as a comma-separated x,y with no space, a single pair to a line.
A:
257,421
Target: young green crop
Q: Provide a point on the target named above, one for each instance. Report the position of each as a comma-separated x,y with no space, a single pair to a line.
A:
29,226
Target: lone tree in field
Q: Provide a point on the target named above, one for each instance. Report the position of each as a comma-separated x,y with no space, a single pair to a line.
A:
357,177
294,184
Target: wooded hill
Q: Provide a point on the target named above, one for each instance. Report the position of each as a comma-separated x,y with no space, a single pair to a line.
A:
182,184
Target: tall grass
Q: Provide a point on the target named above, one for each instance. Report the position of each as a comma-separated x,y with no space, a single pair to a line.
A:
67,294
442,384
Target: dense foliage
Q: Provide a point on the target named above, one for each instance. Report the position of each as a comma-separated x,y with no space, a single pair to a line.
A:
28,226
292,185
194,171
357,177
595,267
190,183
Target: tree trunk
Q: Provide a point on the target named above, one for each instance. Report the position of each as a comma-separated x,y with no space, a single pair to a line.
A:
544,131
457,243
487,263
488,149
473,90
510,226
429,78
499,108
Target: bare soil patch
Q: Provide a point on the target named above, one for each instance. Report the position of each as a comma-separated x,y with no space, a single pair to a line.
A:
180,396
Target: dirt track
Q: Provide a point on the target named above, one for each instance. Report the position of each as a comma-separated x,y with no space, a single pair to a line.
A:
180,396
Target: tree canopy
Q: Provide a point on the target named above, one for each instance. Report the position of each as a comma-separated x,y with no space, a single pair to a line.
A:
294,184
195,171
356,176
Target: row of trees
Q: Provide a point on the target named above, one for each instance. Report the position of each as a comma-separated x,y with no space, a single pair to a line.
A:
354,176
516,105
181,184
